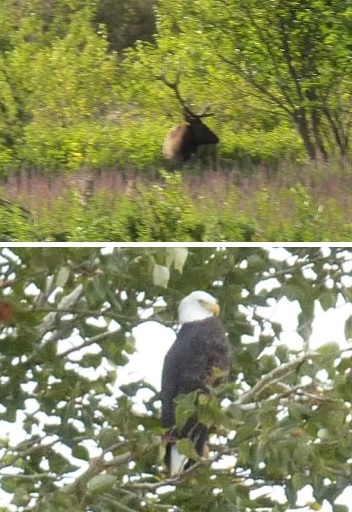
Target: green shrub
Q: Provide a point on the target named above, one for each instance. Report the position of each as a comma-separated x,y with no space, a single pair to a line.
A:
169,210
16,223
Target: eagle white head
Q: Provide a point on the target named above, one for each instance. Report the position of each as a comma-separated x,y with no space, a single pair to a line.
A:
196,306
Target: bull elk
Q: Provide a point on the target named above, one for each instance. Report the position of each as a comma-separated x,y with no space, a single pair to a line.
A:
193,136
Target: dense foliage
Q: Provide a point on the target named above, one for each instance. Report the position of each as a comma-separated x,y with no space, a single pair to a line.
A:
291,58
79,80
72,442
174,210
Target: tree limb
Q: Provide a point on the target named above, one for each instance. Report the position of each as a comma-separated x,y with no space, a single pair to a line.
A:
273,377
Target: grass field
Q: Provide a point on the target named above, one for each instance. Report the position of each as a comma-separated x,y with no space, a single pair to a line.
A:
293,203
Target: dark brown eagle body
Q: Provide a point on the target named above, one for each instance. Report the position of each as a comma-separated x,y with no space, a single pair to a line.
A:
200,347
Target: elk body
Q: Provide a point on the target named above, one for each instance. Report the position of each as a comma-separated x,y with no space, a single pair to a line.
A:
193,137
183,141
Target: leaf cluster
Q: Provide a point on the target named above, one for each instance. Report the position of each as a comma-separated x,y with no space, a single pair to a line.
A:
67,317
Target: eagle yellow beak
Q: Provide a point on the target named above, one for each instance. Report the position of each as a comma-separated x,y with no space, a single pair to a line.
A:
213,307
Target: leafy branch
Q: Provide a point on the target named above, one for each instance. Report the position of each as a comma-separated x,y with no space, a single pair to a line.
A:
273,377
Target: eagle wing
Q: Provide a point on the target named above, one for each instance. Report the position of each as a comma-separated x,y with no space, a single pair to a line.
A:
169,387
188,365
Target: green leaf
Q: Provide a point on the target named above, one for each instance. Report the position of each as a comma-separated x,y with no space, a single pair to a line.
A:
327,299
348,328
299,481
9,484
176,256
161,275
267,363
340,508
62,276
107,437
256,262
330,351
80,452
323,434
186,447
61,499
282,352
21,497
101,483
57,463
185,407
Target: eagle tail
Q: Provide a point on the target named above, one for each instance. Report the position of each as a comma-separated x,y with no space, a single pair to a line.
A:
175,461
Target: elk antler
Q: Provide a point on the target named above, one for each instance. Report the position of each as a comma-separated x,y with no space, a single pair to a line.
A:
174,86
206,112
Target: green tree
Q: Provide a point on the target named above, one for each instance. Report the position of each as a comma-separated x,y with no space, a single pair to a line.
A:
127,21
12,115
67,317
57,82
290,59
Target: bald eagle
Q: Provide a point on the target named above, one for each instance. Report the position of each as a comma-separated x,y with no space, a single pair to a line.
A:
200,347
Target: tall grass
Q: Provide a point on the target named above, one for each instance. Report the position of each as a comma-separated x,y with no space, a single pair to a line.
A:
292,202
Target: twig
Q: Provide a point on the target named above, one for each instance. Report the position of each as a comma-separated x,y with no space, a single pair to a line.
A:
87,343
109,314
118,460
22,454
153,486
33,476
273,377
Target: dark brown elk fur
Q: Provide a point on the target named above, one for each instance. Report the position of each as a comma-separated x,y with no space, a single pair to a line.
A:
186,140
183,141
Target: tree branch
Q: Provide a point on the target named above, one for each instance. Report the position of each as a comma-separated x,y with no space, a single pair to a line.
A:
21,454
273,377
154,486
96,313
87,343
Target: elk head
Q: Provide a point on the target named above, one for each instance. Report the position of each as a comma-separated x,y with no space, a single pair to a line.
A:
183,141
